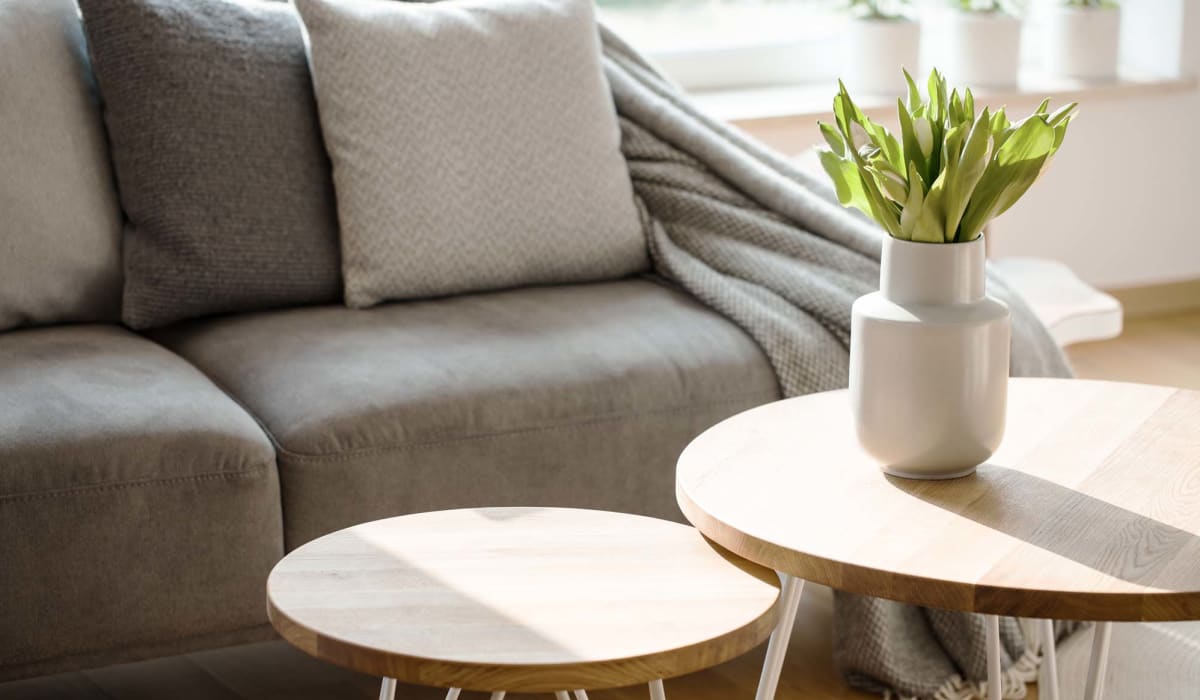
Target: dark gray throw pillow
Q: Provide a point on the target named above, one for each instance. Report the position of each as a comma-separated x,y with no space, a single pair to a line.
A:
218,154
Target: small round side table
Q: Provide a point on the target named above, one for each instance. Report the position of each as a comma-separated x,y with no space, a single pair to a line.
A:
521,600
1090,510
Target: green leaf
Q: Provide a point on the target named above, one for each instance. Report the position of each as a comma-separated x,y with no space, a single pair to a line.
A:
969,104
1062,114
890,184
938,109
908,138
930,226
1016,166
1001,134
914,95
956,108
833,138
1060,133
968,170
846,181
1000,122
937,90
840,118
888,145
914,204
854,190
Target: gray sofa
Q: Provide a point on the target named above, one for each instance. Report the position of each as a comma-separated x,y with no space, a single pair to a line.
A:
149,482
147,485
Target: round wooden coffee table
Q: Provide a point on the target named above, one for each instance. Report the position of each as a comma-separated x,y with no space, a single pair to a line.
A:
521,600
1089,511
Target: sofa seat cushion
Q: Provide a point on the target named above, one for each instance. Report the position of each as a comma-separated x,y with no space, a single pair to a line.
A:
139,505
575,395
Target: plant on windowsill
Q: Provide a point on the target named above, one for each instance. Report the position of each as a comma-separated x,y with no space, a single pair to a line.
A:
1081,39
882,37
978,42
929,352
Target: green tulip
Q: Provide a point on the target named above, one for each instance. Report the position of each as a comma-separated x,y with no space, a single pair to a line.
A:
950,171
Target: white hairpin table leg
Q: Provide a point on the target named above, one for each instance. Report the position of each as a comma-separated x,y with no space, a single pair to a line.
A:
777,647
1048,685
581,695
994,680
1099,666
452,694
657,692
562,695
387,689
498,695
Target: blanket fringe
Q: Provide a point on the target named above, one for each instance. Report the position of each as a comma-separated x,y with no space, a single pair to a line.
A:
1013,686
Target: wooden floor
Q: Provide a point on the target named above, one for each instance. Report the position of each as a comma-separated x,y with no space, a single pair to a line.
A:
1160,351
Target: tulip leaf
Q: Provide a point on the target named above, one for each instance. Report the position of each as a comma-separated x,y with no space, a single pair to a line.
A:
1016,166
914,95
836,143
846,181
956,108
914,204
1062,114
890,184
908,137
971,165
930,226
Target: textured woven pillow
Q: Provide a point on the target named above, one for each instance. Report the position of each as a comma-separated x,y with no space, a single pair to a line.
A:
218,156
60,224
474,143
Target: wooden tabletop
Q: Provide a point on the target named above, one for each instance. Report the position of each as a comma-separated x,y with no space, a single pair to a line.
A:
1090,509
521,599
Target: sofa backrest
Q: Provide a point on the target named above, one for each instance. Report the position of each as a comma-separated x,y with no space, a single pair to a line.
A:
60,221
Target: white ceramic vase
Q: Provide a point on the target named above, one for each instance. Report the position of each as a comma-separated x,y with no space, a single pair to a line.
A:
1081,43
980,49
875,51
929,361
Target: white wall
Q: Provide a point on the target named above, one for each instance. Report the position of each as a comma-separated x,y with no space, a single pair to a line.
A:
1121,202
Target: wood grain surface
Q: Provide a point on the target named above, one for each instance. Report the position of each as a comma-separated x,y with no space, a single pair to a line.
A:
1089,510
521,599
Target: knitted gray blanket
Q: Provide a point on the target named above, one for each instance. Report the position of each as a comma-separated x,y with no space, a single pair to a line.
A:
766,245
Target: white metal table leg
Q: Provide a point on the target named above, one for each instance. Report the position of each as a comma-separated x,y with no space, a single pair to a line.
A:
562,695
498,695
777,648
581,694
994,680
657,692
1099,665
387,689
452,694
1048,685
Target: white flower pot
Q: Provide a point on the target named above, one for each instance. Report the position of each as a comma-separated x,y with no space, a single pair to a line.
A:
1081,42
875,51
929,361
976,49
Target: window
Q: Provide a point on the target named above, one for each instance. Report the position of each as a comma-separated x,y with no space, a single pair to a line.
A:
707,44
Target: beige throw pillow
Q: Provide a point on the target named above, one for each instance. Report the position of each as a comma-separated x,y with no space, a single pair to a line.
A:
60,223
474,144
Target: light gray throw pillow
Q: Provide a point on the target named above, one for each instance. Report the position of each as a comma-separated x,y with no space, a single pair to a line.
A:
474,144
60,223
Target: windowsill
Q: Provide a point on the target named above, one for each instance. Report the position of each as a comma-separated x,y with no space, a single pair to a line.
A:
814,100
